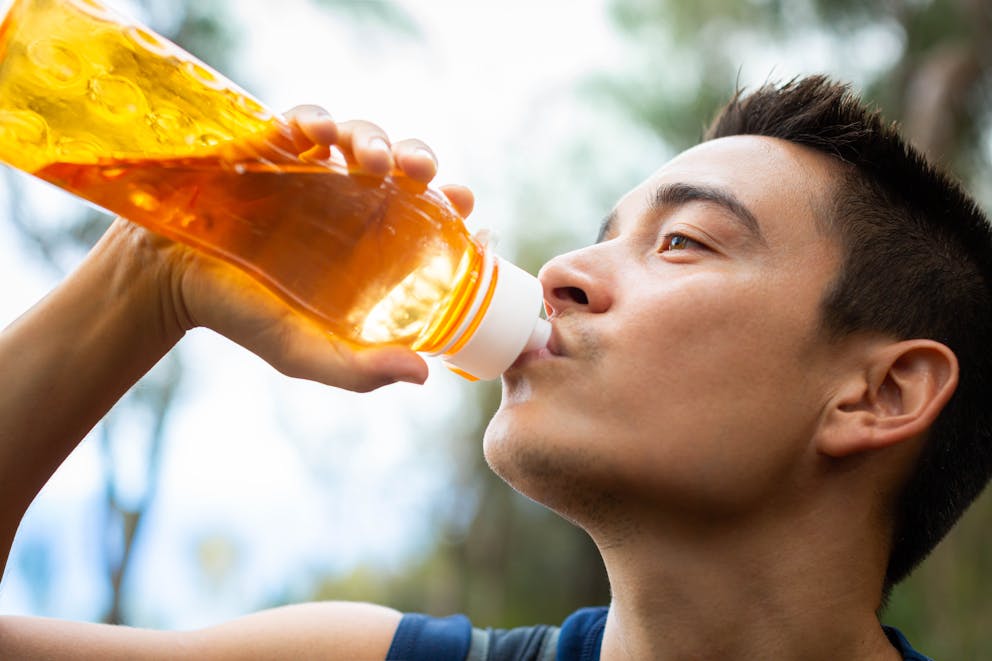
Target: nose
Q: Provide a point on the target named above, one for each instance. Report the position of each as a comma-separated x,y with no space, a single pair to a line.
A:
576,281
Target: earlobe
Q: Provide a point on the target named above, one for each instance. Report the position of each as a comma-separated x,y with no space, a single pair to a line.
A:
898,394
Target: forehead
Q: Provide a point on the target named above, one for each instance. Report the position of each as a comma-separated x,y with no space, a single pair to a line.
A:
782,184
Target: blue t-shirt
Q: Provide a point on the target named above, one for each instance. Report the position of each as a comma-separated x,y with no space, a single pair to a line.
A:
424,638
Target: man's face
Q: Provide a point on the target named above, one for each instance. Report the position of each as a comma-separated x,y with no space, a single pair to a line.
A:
686,367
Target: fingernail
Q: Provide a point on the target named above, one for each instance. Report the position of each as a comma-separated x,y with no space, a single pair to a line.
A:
378,144
314,112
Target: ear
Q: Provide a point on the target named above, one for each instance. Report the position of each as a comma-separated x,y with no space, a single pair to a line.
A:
896,394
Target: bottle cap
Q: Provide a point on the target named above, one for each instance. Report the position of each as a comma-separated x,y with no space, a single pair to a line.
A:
510,325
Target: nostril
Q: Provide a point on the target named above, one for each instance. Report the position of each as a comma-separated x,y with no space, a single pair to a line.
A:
573,294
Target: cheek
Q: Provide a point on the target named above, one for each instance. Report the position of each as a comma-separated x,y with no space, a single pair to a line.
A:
701,400
707,372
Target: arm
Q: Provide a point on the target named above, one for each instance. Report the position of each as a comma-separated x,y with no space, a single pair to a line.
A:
65,362
68,359
330,630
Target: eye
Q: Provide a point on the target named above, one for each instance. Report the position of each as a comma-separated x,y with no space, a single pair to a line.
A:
675,241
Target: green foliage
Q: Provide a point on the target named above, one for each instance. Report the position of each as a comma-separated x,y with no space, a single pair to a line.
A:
691,54
944,607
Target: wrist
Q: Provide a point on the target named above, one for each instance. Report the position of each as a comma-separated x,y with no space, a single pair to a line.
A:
68,359
143,272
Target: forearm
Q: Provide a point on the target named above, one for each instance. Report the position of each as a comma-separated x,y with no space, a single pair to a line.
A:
68,359
329,630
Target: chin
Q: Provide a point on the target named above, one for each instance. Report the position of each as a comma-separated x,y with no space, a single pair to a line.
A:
515,448
501,433
545,461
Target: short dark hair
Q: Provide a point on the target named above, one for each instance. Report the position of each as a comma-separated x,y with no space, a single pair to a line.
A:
916,263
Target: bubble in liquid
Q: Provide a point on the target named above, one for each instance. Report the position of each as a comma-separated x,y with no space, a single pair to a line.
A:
149,41
203,75
23,126
209,139
250,106
95,8
168,123
72,150
56,61
24,139
118,97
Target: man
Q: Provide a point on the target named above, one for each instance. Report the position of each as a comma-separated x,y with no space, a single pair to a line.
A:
763,397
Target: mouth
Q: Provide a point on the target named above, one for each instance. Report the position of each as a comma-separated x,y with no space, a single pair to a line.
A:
553,349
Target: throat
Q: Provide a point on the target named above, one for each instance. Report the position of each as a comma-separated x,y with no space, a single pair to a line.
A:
738,600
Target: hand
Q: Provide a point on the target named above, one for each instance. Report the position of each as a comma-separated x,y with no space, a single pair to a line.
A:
206,292
367,146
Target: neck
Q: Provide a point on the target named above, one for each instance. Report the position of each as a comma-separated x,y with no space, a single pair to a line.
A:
752,590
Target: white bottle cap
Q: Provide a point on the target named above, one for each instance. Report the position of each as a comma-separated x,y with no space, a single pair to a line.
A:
511,324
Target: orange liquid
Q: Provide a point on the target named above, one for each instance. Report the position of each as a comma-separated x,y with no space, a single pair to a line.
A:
108,110
370,261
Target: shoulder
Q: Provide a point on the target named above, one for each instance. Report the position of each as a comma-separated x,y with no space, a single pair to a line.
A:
582,634
422,637
902,645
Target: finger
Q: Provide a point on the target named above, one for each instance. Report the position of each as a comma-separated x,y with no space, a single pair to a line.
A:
366,145
314,124
304,350
342,364
415,159
390,364
461,198
293,344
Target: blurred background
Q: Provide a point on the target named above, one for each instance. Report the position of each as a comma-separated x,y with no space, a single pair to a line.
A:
217,487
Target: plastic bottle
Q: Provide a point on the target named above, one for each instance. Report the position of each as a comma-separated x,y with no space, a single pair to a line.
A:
106,109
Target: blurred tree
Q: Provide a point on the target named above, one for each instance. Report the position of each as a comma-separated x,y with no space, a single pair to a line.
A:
926,64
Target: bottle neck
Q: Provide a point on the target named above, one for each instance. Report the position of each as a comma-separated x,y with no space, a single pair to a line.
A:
505,321
477,309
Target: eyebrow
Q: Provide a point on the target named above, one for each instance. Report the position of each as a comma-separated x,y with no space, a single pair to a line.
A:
679,194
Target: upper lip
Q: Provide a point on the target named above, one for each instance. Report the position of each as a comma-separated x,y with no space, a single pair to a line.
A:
553,347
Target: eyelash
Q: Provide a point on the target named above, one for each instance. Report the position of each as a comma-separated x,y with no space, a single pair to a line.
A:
666,242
